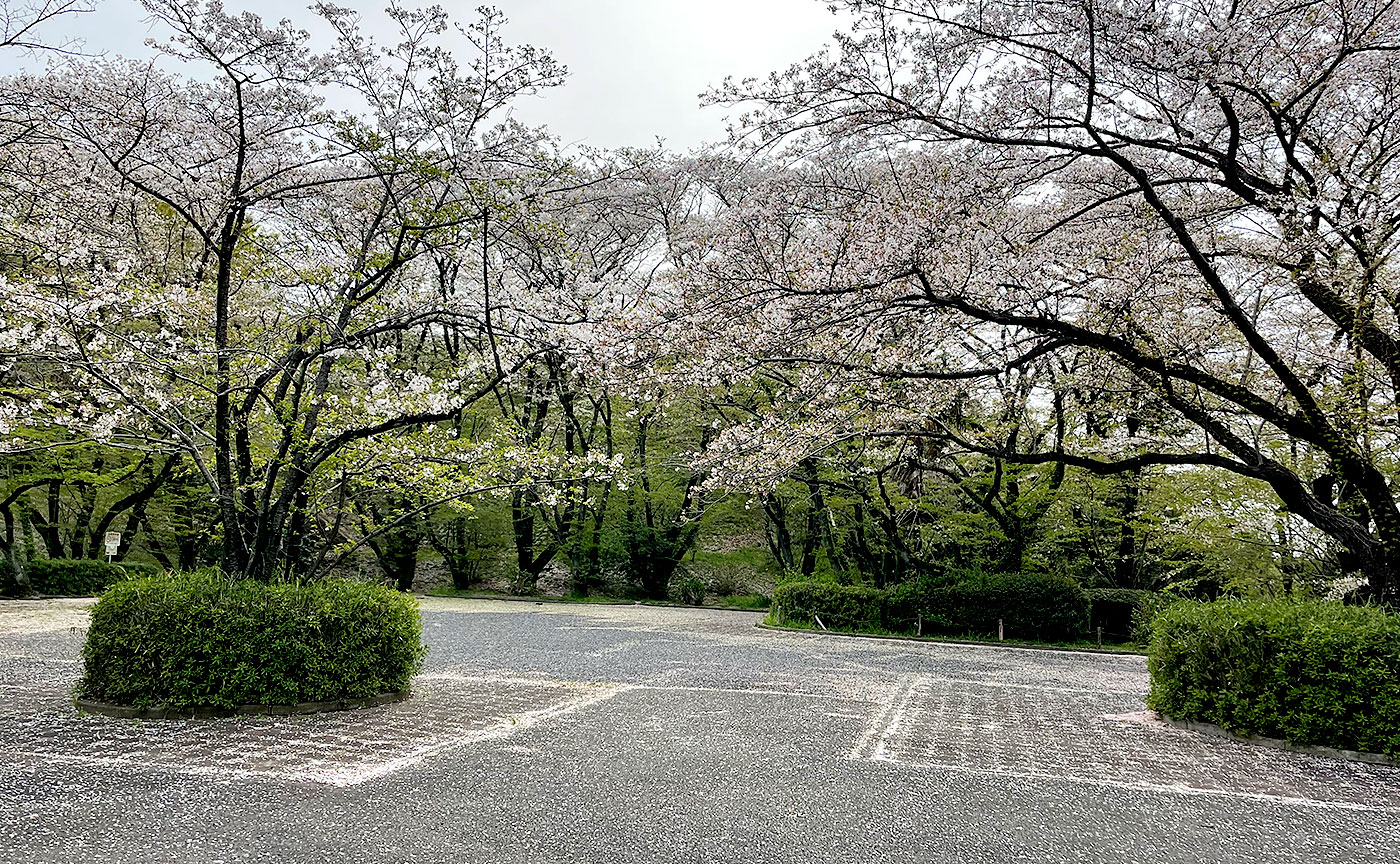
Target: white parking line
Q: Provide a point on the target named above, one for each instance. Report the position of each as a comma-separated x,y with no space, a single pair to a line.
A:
905,730
501,729
878,729
1172,788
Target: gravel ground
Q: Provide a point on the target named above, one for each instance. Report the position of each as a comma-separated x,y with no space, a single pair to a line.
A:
551,732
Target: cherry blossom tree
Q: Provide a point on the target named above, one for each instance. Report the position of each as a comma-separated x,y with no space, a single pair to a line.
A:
20,26
1192,206
232,265
22,22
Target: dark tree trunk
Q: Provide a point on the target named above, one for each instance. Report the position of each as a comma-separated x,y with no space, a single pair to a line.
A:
776,531
1125,573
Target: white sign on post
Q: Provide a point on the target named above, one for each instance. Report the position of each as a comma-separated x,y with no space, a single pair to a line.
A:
114,541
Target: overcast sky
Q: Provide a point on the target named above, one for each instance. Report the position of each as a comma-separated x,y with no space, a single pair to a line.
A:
636,67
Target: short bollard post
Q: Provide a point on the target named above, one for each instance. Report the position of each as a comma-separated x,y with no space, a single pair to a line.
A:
1001,631
919,629
1100,637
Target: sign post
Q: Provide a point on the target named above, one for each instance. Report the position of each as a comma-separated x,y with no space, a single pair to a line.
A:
114,542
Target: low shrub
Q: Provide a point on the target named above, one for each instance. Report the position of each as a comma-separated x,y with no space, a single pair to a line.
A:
80,577
200,641
1115,609
908,601
725,578
1045,608
743,601
689,590
521,583
1154,602
840,607
1311,672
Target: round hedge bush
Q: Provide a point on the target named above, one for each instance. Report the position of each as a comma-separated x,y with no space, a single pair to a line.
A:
202,642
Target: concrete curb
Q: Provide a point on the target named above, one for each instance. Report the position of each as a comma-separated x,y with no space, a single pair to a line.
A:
1279,743
127,712
926,640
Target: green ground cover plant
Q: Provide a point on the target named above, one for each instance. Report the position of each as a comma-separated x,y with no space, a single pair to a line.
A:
1310,672
201,641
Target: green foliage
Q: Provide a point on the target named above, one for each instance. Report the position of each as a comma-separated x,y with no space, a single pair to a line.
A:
1043,608
909,600
840,607
1114,609
520,583
726,580
736,572
201,641
1311,672
467,551
80,577
1140,631
690,590
653,555
9,581
742,601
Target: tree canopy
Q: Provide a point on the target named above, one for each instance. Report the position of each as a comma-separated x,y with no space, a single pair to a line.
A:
1106,289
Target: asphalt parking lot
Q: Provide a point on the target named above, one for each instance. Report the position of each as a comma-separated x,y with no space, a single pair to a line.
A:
556,732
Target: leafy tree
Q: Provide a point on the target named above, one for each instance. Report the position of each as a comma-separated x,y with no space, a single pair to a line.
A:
260,272
1205,228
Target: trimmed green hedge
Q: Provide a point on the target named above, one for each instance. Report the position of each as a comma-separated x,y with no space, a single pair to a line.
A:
1045,608
199,641
1310,672
908,601
80,577
841,607
1115,609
